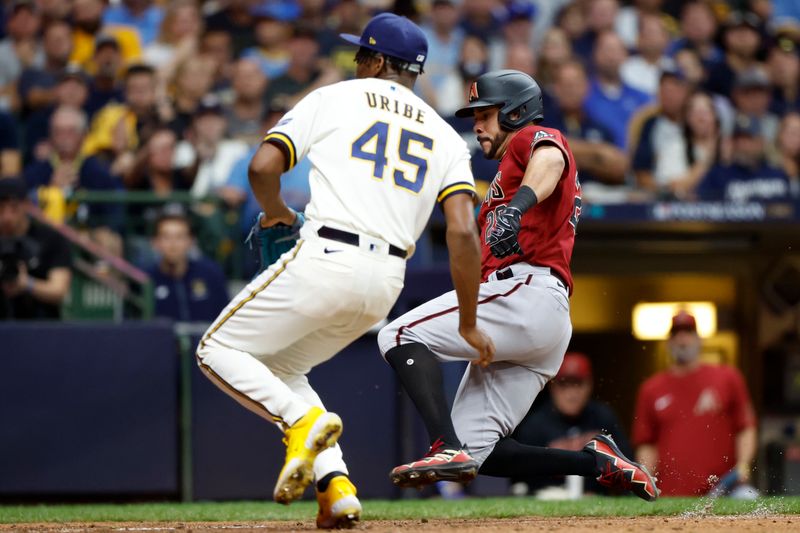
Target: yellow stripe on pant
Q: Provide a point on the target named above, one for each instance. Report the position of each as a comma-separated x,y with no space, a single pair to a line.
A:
253,294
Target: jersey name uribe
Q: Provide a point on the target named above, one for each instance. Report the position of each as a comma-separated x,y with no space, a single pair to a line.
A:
378,155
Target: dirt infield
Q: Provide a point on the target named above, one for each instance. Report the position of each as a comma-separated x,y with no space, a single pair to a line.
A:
550,525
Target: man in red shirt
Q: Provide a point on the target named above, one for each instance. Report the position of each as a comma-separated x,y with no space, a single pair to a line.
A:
527,227
694,422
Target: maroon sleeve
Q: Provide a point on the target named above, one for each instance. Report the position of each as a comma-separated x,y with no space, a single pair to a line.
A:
645,424
741,407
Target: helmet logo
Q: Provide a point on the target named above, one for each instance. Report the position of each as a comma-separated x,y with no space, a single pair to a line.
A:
473,91
372,41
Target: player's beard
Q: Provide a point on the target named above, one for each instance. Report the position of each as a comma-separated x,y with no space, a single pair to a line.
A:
496,143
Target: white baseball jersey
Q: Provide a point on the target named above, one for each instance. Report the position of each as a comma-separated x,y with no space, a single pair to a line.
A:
380,158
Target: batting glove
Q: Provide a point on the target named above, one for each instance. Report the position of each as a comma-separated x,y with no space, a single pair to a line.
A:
502,237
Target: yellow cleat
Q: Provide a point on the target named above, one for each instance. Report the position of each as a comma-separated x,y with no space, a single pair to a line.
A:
338,506
316,431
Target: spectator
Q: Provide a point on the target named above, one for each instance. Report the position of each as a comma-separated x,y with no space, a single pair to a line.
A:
34,260
314,16
304,73
569,420
742,41
178,37
348,17
473,61
629,20
751,97
72,90
749,176
480,19
36,84
245,112
643,71
572,20
611,103
87,18
104,86
207,149
592,144
705,146
699,27
694,422
555,51
119,129
784,71
67,170
10,158
54,9
789,149
141,15
193,80
657,141
522,58
273,31
445,38
19,50
218,45
187,286
154,170
517,33
234,19
688,62
600,18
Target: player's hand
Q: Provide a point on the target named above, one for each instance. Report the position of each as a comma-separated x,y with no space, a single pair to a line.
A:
482,344
502,236
287,217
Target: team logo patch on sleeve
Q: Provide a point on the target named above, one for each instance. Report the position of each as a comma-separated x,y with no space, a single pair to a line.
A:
473,91
541,134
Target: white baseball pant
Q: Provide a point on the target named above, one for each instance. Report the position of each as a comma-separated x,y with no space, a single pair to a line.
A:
318,298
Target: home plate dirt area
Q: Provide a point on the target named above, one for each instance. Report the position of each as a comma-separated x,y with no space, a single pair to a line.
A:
654,524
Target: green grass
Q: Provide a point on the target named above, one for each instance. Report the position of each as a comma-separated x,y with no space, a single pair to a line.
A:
391,510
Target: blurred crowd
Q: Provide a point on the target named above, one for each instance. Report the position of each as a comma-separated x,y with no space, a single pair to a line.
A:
659,99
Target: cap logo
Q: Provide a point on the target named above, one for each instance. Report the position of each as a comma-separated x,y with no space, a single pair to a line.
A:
473,91
420,58
372,41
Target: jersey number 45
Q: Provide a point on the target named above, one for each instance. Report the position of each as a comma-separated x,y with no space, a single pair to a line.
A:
376,154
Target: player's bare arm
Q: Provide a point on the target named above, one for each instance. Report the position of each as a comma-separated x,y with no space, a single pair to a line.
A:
465,269
544,170
264,174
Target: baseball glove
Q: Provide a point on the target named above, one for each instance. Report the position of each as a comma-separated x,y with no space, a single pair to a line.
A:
274,241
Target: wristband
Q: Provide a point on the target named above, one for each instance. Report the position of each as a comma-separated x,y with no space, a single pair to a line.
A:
524,199
29,285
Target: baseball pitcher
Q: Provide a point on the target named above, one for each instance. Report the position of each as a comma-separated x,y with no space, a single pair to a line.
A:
527,227
381,160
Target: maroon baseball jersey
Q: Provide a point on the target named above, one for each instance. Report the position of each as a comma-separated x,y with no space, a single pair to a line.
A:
693,420
547,231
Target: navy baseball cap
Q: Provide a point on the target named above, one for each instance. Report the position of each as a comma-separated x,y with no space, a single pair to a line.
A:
394,36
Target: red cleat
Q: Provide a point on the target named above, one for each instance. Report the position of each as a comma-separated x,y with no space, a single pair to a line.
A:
619,472
439,464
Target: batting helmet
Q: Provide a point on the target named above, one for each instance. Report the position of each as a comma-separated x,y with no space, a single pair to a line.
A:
513,91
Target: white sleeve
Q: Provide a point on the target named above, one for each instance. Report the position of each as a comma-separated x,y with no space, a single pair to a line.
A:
294,133
458,179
